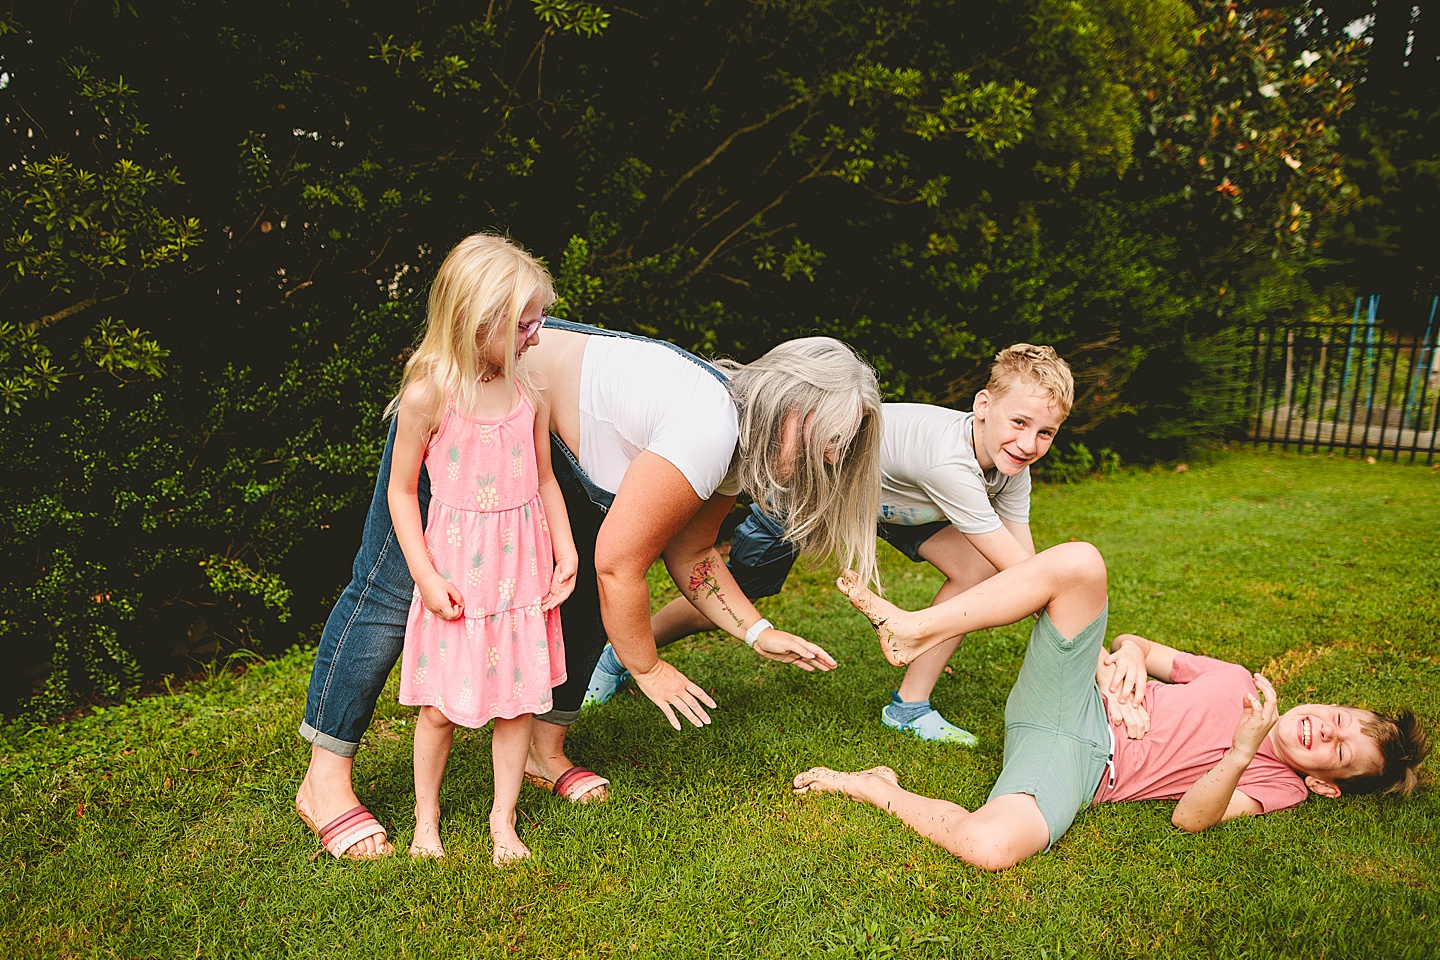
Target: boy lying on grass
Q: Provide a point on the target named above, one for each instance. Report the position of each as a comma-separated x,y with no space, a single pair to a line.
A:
1209,735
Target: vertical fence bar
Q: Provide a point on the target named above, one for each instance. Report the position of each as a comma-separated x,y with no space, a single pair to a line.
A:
1291,382
1264,381
1307,339
1434,423
1420,346
1389,396
1427,355
1324,335
1405,399
1279,393
1345,343
1370,396
1418,421
1355,382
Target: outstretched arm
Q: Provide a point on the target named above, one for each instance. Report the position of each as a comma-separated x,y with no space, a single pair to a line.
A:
654,503
1214,797
704,579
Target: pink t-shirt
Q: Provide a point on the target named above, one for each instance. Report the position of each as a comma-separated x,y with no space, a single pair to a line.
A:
1192,724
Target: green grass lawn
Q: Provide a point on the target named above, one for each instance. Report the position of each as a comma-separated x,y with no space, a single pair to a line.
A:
164,827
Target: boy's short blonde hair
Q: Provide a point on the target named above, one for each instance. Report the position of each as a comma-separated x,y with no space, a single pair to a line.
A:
1040,367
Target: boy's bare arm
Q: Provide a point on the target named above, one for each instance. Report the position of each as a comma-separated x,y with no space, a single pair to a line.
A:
1159,659
1215,797
1005,547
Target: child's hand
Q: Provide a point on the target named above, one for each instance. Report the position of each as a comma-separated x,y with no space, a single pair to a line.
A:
1127,680
562,582
441,597
1256,718
1135,718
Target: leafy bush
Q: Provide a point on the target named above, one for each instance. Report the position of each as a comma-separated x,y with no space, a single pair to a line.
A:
178,502
1076,463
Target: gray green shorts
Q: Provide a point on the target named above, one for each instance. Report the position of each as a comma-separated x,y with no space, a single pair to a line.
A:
1057,735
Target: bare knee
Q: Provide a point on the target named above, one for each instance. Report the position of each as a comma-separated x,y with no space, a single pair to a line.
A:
986,850
995,855
1005,831
1080,562
434,719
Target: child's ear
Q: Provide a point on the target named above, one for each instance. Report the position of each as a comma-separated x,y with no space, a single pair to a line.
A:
982,403
1325,788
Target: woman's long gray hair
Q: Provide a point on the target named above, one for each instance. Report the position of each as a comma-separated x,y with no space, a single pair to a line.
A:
830,499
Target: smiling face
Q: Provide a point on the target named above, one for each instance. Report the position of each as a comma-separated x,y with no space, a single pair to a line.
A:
1014,429
1325,742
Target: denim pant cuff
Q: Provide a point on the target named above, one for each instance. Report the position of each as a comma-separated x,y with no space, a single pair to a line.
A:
342,748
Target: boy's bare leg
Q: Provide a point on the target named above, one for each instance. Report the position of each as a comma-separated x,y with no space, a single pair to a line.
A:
326,792
952,553
1067,580
677,620
1000,834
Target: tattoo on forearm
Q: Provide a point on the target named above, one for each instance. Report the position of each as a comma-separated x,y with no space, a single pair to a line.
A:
702,578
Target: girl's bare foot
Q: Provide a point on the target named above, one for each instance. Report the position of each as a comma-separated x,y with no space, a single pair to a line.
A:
508,848
825,780
427,837
890,622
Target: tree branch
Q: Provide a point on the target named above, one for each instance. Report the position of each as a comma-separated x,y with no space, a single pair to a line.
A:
715,250
725,145
41,323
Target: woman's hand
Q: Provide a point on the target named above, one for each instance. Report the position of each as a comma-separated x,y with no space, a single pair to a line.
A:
441,597
672,691
783,647
562,582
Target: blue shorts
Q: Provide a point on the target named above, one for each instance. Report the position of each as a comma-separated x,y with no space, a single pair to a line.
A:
761,557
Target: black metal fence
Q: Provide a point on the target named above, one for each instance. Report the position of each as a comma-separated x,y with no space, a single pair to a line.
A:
1323,386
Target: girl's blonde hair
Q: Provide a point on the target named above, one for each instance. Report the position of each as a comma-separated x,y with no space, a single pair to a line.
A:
829,508
476,301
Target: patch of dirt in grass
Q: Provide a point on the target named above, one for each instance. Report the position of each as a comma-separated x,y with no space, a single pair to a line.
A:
1290,664
1391,869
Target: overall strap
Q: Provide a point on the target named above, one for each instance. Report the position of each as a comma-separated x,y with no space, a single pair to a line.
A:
554,323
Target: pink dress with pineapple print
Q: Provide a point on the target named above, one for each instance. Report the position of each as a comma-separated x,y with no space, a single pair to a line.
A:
486,534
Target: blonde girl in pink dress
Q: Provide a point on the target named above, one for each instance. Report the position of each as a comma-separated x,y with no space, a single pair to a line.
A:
495,557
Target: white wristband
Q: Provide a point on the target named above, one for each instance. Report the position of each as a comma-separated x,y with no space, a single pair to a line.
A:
756,628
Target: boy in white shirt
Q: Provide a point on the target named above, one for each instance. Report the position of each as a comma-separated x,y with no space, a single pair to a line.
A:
955,492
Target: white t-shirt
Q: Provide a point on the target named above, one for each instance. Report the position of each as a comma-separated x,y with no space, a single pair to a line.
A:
636,395
928,472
